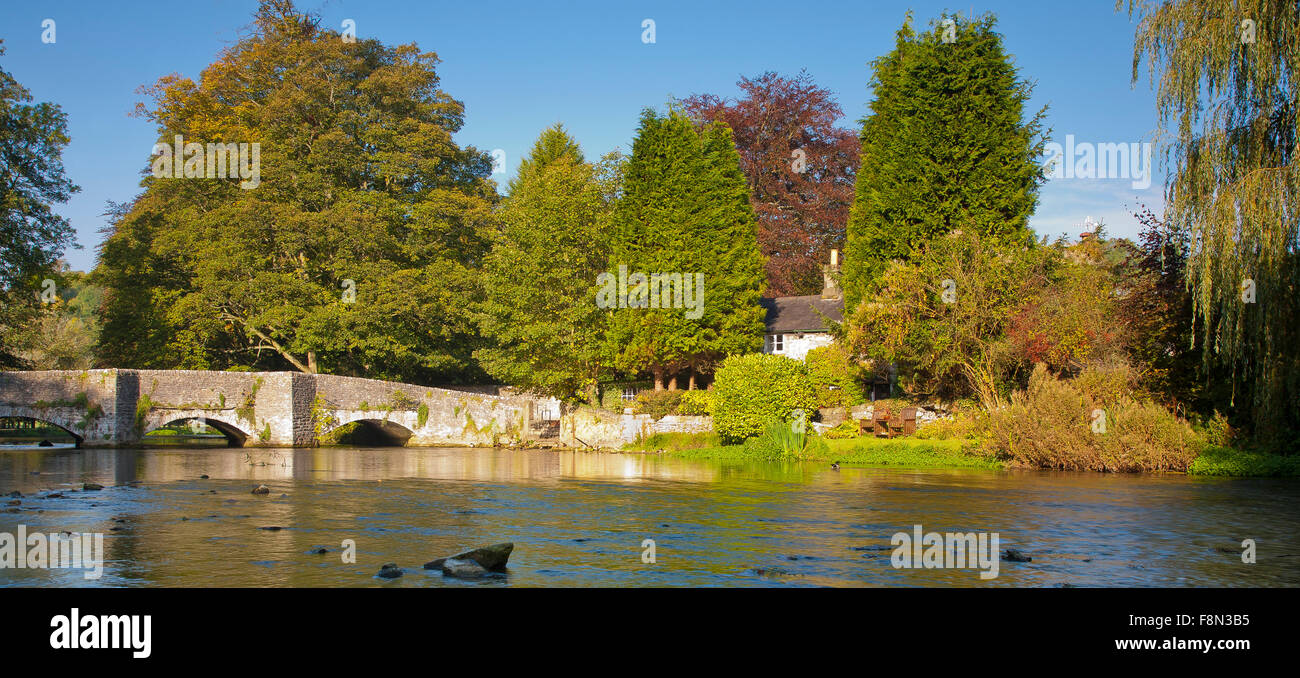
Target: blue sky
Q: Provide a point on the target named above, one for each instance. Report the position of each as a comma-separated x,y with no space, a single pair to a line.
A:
521,66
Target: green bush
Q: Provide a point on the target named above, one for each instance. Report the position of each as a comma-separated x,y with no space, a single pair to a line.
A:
753,391
846,429
837,378
657,404
612,399
696,403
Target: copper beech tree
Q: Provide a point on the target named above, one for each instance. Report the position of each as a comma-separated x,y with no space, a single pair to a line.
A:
800,169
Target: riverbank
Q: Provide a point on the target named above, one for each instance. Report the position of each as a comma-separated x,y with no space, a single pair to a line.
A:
953,453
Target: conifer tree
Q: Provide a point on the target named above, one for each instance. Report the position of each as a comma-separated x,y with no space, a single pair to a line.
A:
686,273
944,147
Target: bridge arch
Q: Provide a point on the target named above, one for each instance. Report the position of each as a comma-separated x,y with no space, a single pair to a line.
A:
67,421
369,431
228,426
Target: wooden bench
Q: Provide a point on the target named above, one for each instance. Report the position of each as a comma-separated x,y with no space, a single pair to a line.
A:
883,423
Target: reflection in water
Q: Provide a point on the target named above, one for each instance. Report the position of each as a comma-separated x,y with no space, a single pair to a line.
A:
579,518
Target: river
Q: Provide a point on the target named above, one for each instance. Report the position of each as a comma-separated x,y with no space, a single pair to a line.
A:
582,518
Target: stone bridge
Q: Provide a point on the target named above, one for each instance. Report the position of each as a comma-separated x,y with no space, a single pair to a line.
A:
116,408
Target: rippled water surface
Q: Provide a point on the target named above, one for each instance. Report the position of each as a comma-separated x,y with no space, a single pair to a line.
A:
580,518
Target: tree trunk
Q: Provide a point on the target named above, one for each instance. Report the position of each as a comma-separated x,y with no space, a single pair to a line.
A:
690,384
672,383
311,362
658,373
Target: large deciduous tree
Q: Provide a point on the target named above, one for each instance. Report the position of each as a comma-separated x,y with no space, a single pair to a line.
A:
800,169
945,146
357,253
32,180
684,217
1228,94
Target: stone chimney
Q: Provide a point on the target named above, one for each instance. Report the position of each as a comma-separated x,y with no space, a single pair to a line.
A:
831,288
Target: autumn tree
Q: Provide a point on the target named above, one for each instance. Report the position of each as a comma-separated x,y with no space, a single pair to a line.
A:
945,146
32,181
1227,78
799,168
942,318
350,244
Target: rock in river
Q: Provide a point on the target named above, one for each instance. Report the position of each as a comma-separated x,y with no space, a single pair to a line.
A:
390,571
492,558
92,486
1016,556
261,489
464,569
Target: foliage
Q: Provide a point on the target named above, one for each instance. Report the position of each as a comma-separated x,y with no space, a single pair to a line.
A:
540,298
836,376
696,403
800,168
942,318
1069,321
1230,106
754,391
1156,313
781,441
362,191
32,236
673,442
944,148
684,211
657,404
901,452
1054,425
1217,460
842,430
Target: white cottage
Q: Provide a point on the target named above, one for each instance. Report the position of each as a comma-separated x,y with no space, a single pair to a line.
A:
795,325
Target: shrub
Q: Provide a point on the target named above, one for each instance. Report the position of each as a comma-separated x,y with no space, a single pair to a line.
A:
836,377
1051,425
673,442
695,403
753,391
959,427
780,441
657,404
611,398
846,429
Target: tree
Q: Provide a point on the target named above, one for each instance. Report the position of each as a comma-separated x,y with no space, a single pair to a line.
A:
1228,95
944,147
540,278
943,317
352,243
32,236
799,167
553,144
686,273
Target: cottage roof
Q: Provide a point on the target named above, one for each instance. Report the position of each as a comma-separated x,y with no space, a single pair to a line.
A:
800,314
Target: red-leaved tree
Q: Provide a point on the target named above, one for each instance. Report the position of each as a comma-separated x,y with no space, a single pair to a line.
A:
800,168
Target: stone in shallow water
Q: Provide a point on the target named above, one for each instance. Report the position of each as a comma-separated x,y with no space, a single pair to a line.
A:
1016,556
464,569
92,486
261,489
390,571
489,558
